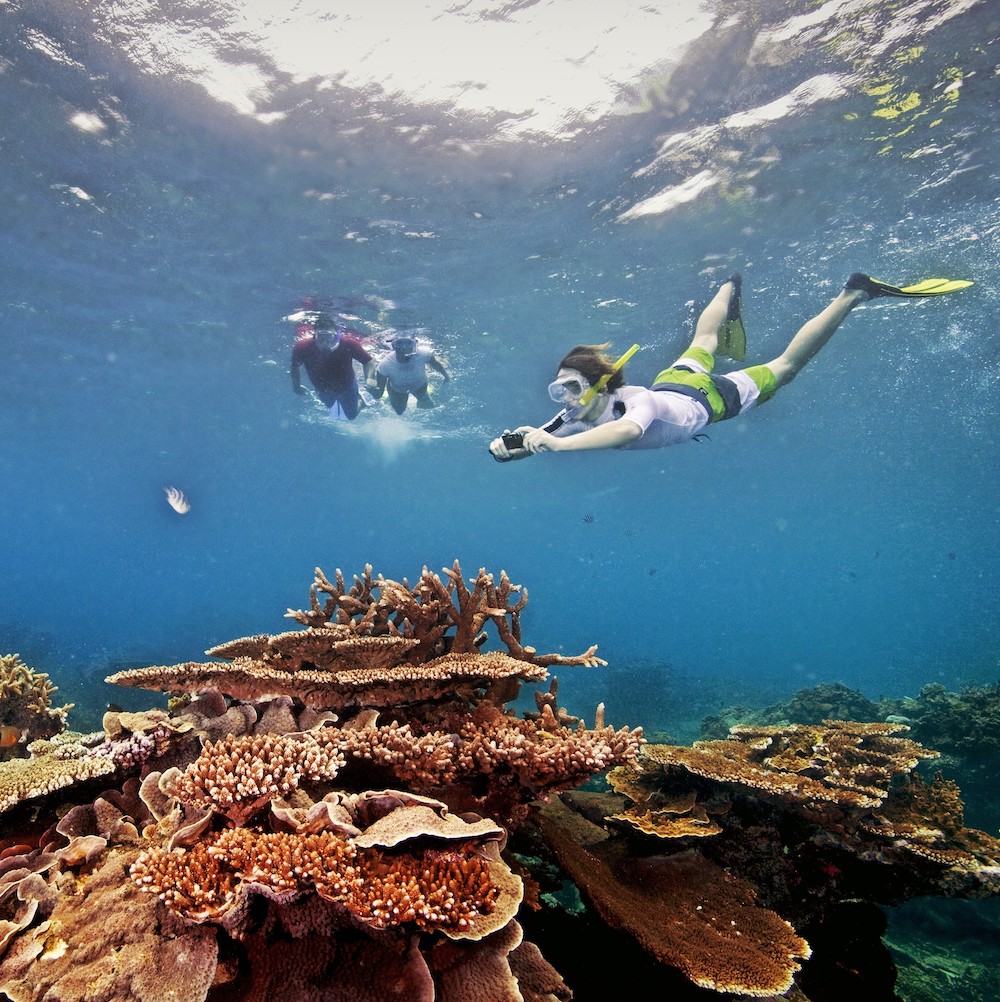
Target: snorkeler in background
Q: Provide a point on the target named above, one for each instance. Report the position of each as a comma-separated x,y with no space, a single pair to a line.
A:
601,412
403,371
328,354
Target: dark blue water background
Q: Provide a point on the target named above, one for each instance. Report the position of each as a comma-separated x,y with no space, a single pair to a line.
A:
846,532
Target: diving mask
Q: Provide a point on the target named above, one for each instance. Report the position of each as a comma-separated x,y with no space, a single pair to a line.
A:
568,389
404,345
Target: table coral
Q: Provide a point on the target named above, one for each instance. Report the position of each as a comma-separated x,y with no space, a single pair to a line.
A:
839,762
685,910
379,643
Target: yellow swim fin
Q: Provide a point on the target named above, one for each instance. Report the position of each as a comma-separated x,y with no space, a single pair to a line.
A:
935,287
928,287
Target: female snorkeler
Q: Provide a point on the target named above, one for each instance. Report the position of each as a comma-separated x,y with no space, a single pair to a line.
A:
601,412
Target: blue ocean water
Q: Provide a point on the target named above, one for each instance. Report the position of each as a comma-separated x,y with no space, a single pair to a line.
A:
171,189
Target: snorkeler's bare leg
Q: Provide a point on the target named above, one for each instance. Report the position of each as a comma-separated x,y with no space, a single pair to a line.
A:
813,335
706,331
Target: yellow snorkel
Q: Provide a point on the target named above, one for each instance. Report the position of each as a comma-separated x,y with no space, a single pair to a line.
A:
592,392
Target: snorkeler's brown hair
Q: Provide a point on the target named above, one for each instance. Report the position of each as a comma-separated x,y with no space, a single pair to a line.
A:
592,362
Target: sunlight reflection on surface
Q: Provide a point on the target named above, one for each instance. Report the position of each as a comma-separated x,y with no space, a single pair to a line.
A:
544,67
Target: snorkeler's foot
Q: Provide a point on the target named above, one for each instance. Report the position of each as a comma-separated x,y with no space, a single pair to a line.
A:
860,282
732,334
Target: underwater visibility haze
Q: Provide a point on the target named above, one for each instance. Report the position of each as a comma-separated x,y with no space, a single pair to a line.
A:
512,179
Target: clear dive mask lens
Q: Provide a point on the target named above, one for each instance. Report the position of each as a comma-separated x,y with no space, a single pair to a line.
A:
568,390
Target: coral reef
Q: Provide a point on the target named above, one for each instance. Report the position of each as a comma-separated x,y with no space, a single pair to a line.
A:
53,764
826,701
684,909
965,724
26,711
340,812
330,803
797,820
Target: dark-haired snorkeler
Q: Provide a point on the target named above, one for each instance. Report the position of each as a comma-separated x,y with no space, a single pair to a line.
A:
328,354
601,412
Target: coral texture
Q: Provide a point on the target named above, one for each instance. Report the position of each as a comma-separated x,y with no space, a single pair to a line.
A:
52,765
684,909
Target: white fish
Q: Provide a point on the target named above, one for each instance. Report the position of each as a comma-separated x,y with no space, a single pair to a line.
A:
177,500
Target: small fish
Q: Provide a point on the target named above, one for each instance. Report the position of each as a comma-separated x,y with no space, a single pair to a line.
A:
177,500
9,735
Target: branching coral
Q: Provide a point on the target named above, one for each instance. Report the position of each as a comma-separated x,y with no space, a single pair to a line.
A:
26,711
385,875
238,776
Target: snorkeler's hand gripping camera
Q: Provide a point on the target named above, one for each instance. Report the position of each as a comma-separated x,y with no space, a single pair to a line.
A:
515,440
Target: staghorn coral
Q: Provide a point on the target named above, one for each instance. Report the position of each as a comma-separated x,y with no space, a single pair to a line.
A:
433,614
26,711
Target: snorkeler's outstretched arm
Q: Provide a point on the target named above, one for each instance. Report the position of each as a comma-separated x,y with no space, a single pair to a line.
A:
508,446
612,435
438,366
